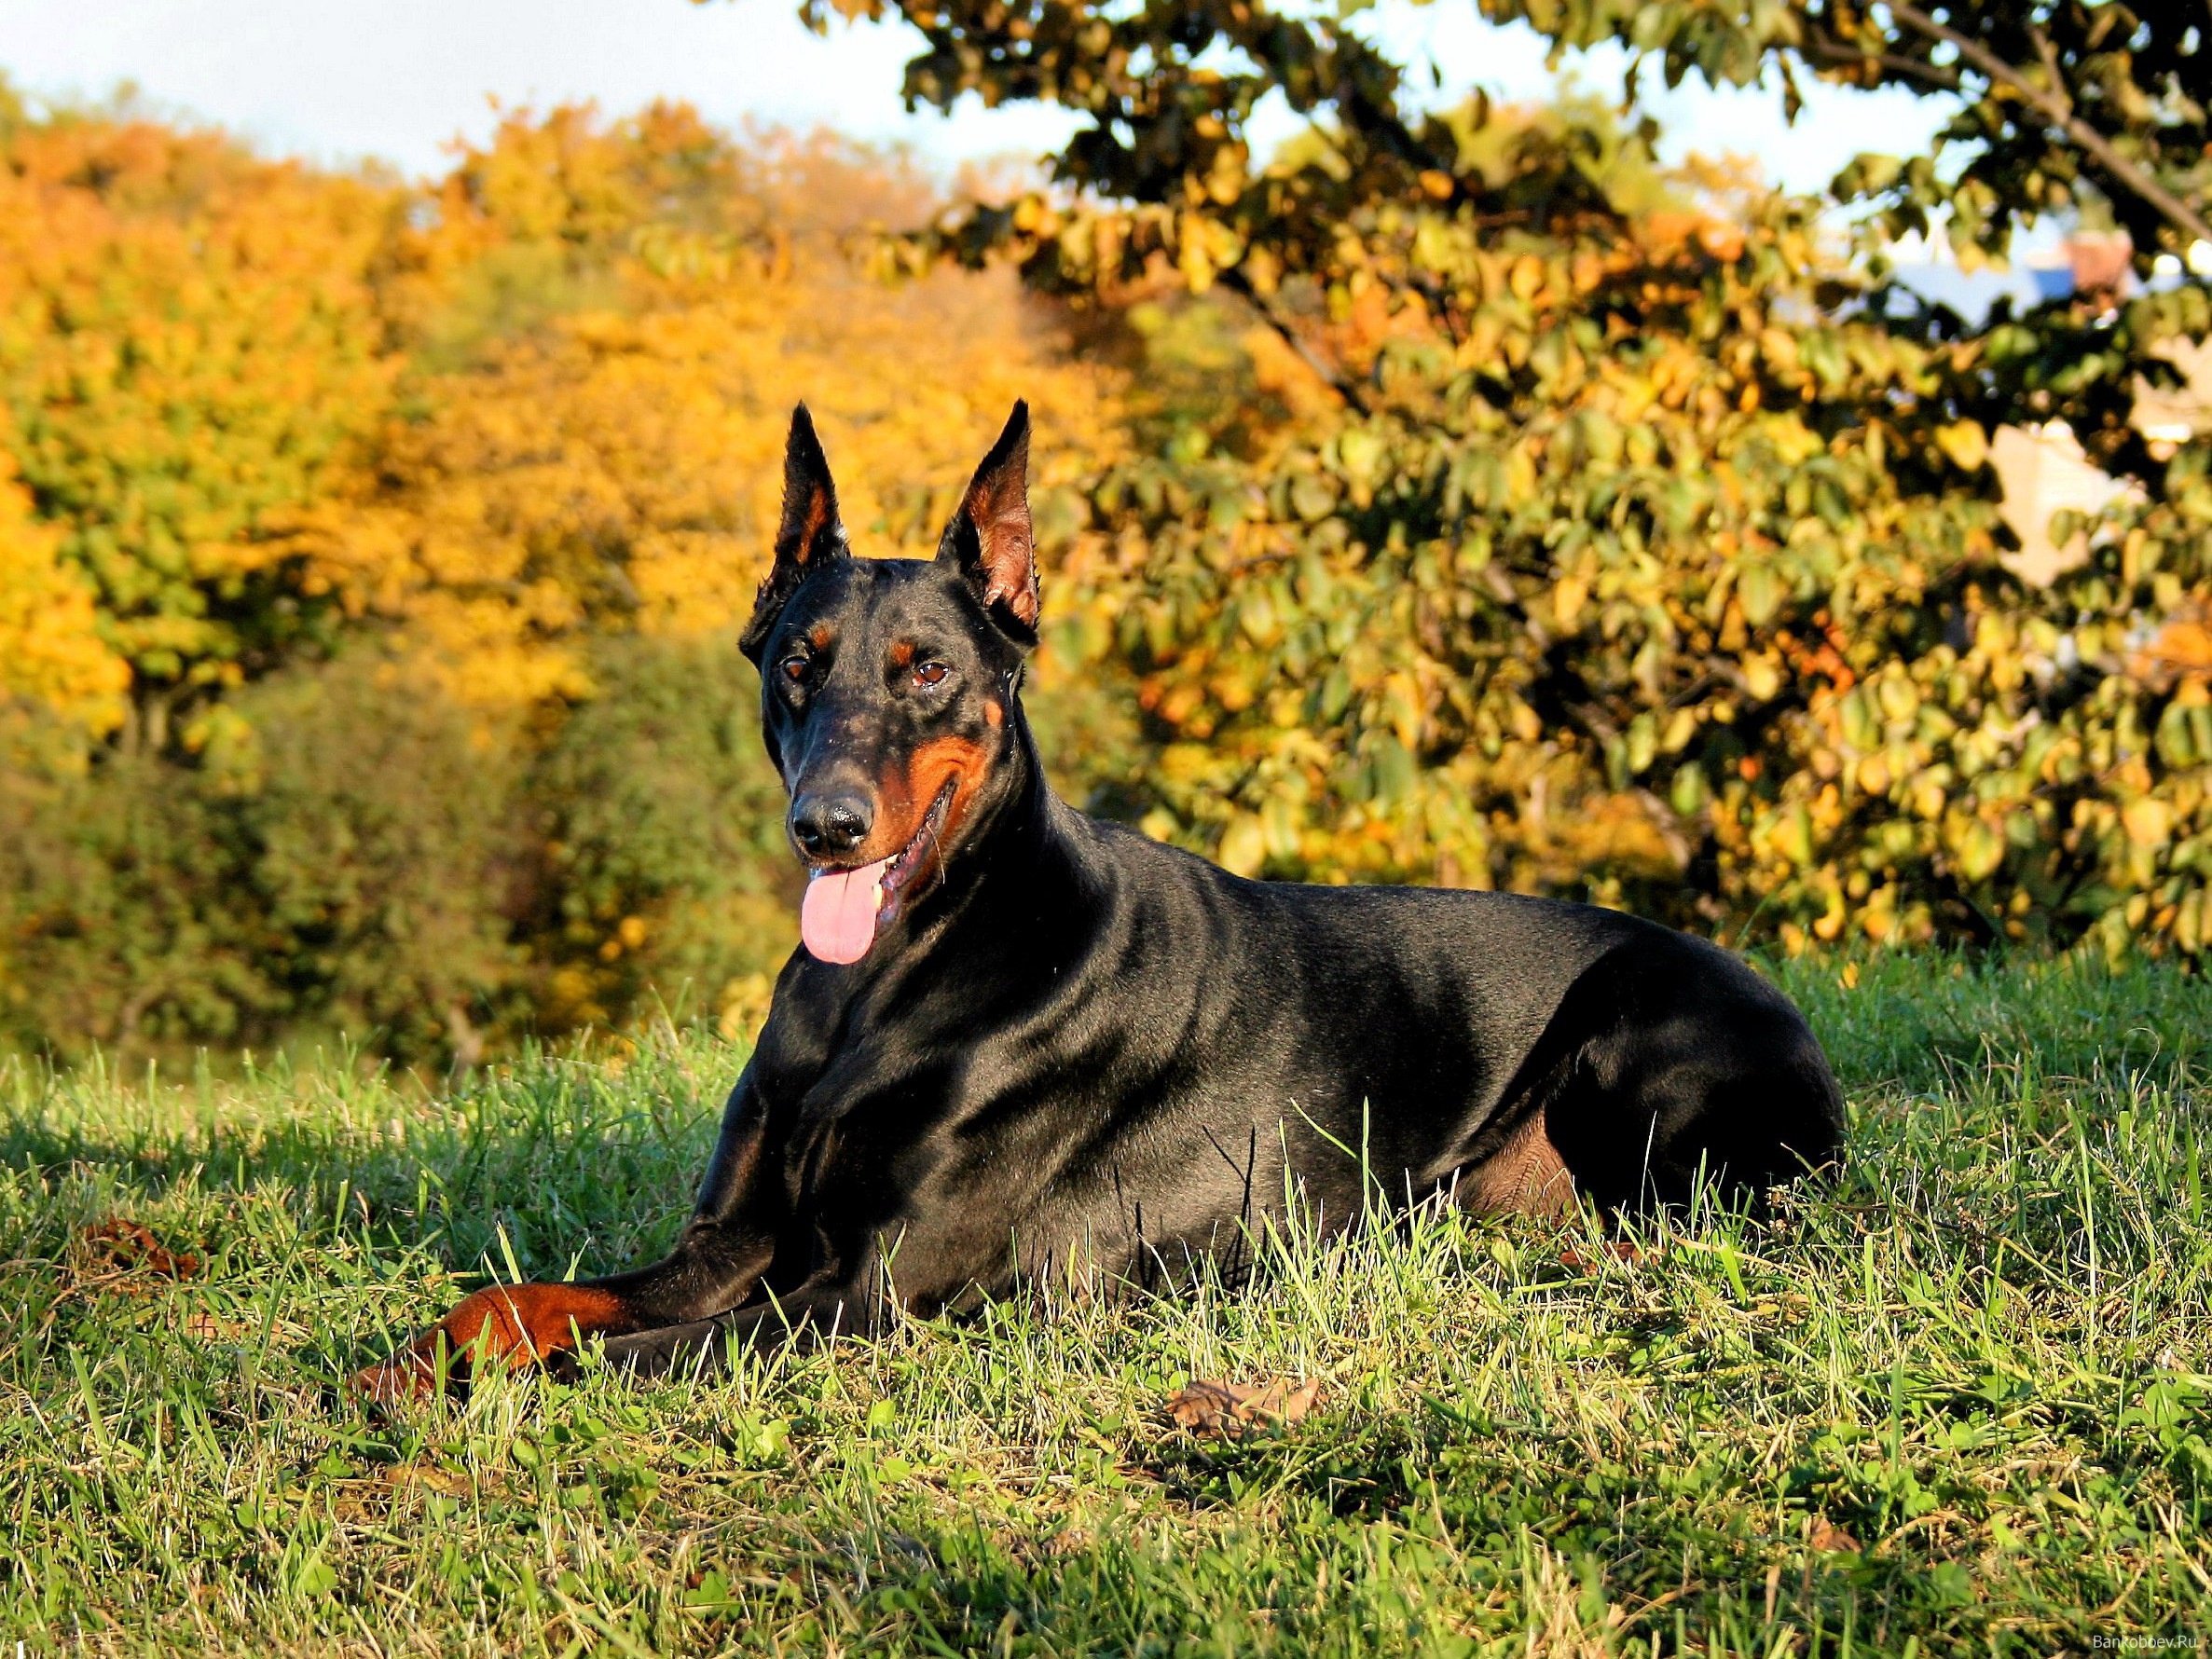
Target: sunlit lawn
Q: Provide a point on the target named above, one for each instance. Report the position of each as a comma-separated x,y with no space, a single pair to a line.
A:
1962,1399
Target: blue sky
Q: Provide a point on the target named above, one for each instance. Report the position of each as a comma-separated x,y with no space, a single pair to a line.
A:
336,80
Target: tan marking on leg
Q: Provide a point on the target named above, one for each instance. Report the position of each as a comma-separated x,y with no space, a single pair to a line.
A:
500,1328
1525,1176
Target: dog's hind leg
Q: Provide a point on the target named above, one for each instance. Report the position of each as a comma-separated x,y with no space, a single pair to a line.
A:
1693,1071
1525,1176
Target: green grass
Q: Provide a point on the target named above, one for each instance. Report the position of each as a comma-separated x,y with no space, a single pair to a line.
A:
1983,1355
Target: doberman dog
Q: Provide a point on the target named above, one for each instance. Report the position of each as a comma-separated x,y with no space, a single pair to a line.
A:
1020,1043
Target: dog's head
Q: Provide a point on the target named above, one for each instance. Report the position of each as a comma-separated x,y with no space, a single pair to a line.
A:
888,687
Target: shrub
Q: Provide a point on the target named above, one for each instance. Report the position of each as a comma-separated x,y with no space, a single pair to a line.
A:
335,859
659,869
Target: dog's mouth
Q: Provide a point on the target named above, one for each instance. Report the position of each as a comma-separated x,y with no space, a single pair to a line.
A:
845,911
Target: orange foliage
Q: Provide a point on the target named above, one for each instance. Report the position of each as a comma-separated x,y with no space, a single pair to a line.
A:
371,543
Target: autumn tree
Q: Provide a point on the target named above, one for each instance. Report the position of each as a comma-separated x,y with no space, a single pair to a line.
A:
604,456
2056,100
188,344
2078,109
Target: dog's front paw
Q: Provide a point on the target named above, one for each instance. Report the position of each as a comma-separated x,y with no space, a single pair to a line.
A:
497,1329
404,1378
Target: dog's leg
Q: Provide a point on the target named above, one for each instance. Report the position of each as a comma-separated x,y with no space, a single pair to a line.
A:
1693,1077
828,1306
716,1265
1525,1176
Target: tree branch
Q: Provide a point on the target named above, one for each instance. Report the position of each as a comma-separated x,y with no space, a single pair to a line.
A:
1828,49
2049,54
2060,109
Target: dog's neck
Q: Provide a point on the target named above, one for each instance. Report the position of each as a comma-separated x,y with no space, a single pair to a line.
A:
1016,811
1016,852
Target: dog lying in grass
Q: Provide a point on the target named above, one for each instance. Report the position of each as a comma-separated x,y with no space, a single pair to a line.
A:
1017,1042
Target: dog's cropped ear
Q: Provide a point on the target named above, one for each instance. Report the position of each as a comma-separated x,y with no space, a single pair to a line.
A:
989,537
809,537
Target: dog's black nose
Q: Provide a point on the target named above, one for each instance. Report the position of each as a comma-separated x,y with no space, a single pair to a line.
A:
827,826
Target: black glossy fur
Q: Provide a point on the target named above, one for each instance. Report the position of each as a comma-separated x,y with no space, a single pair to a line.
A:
1076,1051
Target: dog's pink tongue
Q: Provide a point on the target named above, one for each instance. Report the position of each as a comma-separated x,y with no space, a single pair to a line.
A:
837,919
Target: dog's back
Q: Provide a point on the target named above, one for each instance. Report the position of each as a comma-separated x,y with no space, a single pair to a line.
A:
1155,1045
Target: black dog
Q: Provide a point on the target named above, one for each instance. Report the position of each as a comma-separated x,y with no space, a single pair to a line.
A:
1018,1042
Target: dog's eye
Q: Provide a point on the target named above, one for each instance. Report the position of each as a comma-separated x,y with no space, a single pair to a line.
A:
930,673
794,668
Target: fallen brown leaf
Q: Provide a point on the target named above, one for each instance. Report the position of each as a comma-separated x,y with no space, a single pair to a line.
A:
211,1327
1232,1408
1068,1541
1830,1537
426,1476
130,1247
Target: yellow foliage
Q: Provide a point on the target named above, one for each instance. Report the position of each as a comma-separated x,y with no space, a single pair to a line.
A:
292,463
187,342
51,653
